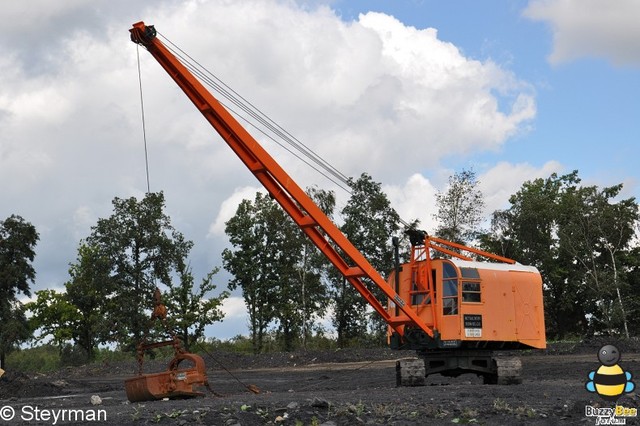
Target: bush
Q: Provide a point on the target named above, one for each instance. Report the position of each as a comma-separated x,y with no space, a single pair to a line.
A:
238,344
37,359
71,355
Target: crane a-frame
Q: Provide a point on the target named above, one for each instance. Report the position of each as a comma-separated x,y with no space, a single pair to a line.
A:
453,312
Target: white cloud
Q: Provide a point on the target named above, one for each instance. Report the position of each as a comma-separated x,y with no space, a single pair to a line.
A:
505,179
601,28
235,321
370,95
415,199
234,308
229,206
20,17
83,219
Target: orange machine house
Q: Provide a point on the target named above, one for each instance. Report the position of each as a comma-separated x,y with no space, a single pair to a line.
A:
472,309
477,304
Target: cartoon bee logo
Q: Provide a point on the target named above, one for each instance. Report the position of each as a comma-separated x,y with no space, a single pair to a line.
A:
610,380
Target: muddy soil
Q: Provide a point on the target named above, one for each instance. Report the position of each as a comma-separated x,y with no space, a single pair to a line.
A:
324,388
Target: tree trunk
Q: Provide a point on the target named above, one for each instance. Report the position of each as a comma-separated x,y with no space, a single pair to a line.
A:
303,278
340,315
185,339
615,283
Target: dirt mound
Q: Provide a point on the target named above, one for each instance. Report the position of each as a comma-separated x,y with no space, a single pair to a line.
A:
14,384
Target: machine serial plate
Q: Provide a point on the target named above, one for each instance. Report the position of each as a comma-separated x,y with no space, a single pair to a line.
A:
472,325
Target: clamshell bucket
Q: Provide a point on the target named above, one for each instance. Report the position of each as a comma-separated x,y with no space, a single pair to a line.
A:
174,383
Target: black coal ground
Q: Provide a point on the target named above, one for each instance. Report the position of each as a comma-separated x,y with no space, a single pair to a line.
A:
323,388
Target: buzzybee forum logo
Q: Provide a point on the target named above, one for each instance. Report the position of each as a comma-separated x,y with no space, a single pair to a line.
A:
610,381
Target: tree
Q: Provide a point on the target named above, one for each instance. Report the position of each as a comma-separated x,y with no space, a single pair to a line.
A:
529,234
313,269
190,310
579,238
285,247
18,239
369,223
630,274
595,231
248,265
89,286
460,208
78,313
14,328
143,250
277,268
53,316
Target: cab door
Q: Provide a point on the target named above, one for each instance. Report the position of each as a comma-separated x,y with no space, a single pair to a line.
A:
448,289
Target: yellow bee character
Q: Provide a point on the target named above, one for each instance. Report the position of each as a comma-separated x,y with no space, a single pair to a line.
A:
610,380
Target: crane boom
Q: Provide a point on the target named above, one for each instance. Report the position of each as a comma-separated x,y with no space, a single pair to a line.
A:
295,202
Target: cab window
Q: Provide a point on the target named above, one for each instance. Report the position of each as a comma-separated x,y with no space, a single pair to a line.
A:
416,298
470,285
449,290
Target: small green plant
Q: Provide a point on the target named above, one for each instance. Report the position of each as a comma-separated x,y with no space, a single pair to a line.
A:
382,410
262,412
467,416
136,413
469,413
441,413
525,411
198,415
501,406
359,408
175,414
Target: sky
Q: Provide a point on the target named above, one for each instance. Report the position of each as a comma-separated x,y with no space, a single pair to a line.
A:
408,91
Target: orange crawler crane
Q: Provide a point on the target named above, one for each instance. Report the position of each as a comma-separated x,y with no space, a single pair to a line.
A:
454,313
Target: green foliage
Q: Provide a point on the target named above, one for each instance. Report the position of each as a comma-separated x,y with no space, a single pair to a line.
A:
312,270
87,290
14,327
595,230
239,344
189,309
283,276
142,250
53,316
18,239
77,315
277,269
369,223
49,357
581,240
250,265
108,297
460,208
41,358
